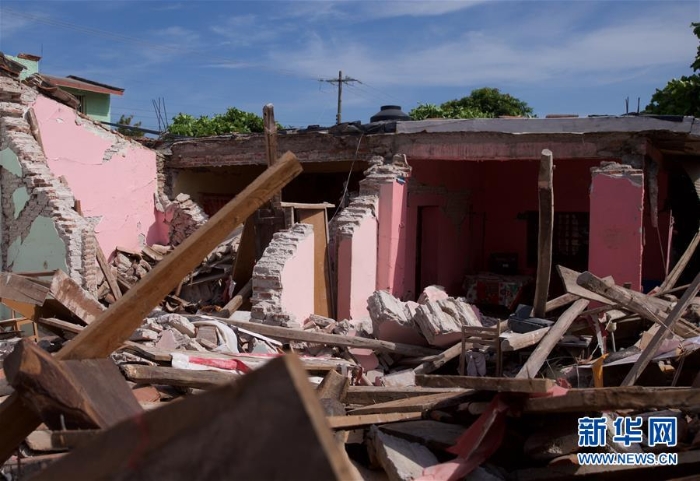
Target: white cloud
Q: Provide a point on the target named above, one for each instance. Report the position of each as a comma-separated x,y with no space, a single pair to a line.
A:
523,55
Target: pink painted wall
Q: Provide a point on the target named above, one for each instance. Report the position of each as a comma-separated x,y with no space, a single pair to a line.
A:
119,191
357,270
391,254
477,212
298,281
615,243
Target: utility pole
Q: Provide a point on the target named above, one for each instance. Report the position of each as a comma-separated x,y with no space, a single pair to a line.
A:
340,81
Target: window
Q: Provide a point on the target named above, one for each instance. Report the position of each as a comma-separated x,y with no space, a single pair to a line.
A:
83,104
569,240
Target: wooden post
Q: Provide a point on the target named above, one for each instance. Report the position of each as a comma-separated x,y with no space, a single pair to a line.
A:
546,229
650,350
553,336
271,144
116,324
322,295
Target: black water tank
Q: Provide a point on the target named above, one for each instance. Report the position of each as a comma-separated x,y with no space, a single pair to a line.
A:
389,112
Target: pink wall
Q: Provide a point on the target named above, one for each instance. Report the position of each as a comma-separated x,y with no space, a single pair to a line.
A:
391,253
357,270
476,212
118,191
298,281
615,243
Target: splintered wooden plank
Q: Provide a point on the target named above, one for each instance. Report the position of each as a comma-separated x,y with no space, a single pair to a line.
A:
439,360
418,403
322,287
107,271
650,308
678,269
237,431
614,398
74,298
116,324
569,276
21,289
87,394
545,190
556,332
500,384
44,440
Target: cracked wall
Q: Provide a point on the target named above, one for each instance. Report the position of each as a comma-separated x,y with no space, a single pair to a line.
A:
283,279
114,178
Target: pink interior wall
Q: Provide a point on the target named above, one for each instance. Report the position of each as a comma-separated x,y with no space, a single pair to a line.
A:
391,252
357,270
298,281
119,192
497,192
655,250
615,242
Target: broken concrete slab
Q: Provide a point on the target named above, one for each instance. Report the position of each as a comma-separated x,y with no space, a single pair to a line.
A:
441,322
432,294
392,320
142,334
402,460
179,323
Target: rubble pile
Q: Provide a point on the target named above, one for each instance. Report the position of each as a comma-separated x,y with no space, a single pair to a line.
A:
427,390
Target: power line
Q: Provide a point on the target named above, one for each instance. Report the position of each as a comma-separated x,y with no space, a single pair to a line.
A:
340,81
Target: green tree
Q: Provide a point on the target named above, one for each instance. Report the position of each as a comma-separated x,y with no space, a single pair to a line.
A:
679,96
233,120
485,102
126,120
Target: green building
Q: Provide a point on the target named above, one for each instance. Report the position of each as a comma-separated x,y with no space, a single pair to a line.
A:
95,97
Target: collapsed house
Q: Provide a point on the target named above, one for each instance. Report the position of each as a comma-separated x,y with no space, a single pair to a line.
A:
388,255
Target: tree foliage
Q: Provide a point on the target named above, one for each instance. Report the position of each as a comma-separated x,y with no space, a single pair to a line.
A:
126,120
680,96
234,120
485,102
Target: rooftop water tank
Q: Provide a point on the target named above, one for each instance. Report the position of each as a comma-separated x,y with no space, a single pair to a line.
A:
389,112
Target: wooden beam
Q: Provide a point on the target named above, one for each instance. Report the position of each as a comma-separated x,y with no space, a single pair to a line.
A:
569,276
44,440
107,271
86,394
364,395
78,301
364,420
650,350
440,360
238,300
60,324
645,306
142,374
418,403
560,301
516,340
545,189
678,269
115,325
245,256
556,332
616,398
270,128
499,384
289,334
236,431
322,285
20,289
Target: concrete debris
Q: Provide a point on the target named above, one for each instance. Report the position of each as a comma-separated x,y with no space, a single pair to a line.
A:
392,320
179,323
432,294
441,322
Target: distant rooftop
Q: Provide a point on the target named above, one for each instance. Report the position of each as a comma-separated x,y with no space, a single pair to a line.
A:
79,83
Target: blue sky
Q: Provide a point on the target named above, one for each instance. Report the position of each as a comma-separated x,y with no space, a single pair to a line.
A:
203,56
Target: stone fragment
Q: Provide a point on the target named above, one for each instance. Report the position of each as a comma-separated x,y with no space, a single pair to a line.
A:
392,320
441,322
142,334
432,293
402,460
178,322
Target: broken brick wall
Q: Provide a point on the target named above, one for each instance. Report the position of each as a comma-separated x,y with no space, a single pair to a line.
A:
354,248
113,177
283,279
40,229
